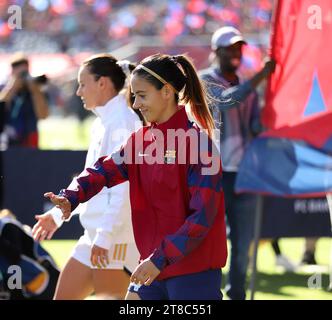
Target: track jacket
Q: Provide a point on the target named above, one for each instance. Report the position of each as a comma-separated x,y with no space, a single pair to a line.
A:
178,212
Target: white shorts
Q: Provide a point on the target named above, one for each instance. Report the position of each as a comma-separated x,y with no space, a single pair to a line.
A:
120,255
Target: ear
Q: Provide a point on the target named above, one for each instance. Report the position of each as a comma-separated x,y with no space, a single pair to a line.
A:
106,83
167,91
102,82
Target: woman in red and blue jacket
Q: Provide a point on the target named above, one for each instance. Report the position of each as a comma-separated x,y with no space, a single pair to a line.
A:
174,171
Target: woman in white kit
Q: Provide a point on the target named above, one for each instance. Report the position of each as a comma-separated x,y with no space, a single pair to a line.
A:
105,255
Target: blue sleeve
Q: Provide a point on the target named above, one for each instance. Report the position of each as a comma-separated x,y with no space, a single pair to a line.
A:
255,121
232,97
222,98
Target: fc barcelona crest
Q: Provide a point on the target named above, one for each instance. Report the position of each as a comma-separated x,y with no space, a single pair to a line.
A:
170,156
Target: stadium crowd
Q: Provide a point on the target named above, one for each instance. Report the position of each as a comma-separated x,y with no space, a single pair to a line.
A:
60,26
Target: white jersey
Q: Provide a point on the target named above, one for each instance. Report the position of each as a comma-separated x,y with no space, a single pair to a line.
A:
106,217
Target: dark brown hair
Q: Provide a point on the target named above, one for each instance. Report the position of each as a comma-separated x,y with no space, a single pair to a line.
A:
180,72
105,65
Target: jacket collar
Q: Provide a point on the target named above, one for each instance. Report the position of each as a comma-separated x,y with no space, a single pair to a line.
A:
178,120
110,109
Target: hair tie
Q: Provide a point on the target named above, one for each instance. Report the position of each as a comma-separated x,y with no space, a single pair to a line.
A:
174,59
124,65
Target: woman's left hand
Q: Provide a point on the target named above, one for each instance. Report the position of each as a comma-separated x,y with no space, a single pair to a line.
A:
99,257
145,273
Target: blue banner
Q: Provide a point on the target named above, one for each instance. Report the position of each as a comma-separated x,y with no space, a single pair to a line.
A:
295,217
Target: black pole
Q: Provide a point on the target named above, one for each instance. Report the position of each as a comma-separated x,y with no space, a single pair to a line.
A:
2,148
257,233
329,201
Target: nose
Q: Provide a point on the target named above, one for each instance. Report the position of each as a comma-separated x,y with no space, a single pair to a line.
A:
78,92
237,53
136,104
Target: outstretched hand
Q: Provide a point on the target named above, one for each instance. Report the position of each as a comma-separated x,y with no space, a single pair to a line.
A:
61,203
44,228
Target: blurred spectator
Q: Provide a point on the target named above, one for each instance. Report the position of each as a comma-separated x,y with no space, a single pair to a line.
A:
24,104
235,108
61,25
309,251
308,256
17,247
53,26
281,259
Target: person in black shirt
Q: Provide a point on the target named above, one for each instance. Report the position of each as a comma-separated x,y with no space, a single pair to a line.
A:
24,104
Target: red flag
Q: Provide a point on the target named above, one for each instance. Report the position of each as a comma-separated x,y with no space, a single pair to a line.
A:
298,112
302,46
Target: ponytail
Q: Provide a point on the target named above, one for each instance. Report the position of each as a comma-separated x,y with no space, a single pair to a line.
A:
194,94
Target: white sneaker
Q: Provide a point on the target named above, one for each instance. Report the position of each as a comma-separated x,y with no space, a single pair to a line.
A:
284,262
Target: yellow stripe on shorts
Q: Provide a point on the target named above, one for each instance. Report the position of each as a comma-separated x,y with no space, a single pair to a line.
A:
119,253
115,251
124,252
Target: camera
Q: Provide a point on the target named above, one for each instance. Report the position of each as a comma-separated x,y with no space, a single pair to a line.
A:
41,80
24,75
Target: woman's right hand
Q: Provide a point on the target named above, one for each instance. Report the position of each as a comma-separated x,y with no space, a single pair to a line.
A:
44,228
61,203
